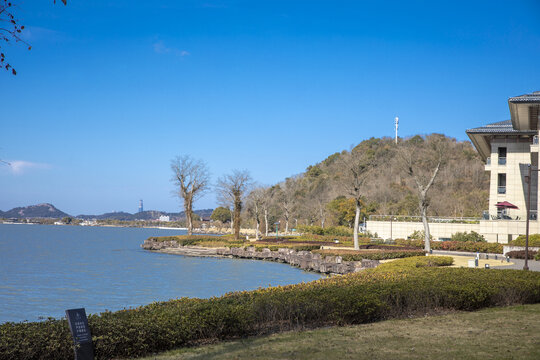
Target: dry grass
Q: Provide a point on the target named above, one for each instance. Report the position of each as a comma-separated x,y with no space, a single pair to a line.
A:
497,333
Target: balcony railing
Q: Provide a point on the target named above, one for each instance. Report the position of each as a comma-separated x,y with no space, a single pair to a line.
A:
501,189
502,161
437,219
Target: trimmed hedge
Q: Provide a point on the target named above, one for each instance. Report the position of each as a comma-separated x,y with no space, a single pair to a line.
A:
417,262
520,254
330,230
355,255
385,292
534,240
468,246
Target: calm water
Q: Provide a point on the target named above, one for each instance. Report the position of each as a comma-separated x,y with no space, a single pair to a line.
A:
45,270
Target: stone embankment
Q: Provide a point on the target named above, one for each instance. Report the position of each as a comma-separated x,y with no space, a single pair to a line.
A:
303,259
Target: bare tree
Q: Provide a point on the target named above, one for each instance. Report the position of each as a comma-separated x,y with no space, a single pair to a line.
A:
225,199
422,159
10,30
286,197
357,164
234,186
192,179
255,201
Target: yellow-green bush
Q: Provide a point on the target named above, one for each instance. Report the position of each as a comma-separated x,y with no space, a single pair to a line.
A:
371,295
534,240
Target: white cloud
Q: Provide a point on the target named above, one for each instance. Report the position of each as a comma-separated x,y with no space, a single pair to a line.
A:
161,48
19,167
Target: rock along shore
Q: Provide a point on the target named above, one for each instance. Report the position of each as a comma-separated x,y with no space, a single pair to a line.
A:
305,260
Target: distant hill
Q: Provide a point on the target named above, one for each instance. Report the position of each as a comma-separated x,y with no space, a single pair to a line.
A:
34,211
49,211
145,215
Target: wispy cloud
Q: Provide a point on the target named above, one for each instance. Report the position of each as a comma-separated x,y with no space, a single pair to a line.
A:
161,48
37,33
19,167
214,6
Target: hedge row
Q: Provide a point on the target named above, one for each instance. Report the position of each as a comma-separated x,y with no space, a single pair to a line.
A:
520,254
469,246
391,291
355,255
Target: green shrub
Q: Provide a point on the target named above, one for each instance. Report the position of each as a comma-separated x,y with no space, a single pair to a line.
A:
417,262
473,236
419,235
534,240
381,293
358,255
483,247
330,230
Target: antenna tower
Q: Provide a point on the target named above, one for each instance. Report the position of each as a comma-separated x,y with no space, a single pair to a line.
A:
396,123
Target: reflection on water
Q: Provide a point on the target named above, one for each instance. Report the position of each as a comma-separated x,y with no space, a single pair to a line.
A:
45,270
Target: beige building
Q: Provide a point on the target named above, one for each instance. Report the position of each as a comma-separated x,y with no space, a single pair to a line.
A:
508,148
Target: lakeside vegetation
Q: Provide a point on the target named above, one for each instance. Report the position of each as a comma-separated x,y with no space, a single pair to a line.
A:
400,288
485,334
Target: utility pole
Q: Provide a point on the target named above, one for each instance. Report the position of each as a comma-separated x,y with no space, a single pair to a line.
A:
529,180
396,122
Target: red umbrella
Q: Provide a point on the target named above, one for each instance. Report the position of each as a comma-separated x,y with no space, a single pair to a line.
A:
506,205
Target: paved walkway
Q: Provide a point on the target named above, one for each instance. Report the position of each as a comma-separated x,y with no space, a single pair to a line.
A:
517,263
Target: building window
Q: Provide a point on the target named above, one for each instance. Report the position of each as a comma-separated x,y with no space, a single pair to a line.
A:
501,184
502,156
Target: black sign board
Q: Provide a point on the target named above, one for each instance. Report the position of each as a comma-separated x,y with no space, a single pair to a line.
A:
78,325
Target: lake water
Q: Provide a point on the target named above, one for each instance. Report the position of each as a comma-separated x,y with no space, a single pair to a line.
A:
45,270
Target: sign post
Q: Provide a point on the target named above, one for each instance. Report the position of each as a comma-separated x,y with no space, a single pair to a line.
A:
78,325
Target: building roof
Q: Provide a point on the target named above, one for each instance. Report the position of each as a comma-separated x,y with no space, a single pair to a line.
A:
532,97
481,136
501,127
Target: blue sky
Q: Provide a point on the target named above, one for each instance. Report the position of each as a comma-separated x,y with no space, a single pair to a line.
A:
113,90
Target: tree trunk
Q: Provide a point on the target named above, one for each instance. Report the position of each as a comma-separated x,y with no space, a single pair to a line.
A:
237,211
266,221
232,221
356,223
189,216
258,223
286,222
427,235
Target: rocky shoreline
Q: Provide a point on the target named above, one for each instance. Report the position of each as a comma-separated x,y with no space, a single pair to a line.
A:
305,260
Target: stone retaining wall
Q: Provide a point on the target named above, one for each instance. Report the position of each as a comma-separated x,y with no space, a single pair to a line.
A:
518,248
303,259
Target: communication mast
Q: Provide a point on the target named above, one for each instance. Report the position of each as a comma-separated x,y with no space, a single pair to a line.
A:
396,122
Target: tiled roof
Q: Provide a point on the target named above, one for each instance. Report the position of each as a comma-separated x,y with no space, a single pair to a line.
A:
501,127
535,96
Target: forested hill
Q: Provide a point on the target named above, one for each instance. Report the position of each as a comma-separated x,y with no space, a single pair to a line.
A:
317,196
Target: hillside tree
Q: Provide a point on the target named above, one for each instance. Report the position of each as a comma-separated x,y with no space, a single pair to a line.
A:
233,187
192,180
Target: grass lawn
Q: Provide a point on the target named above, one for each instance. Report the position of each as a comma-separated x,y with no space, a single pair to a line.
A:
463,261
496,333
